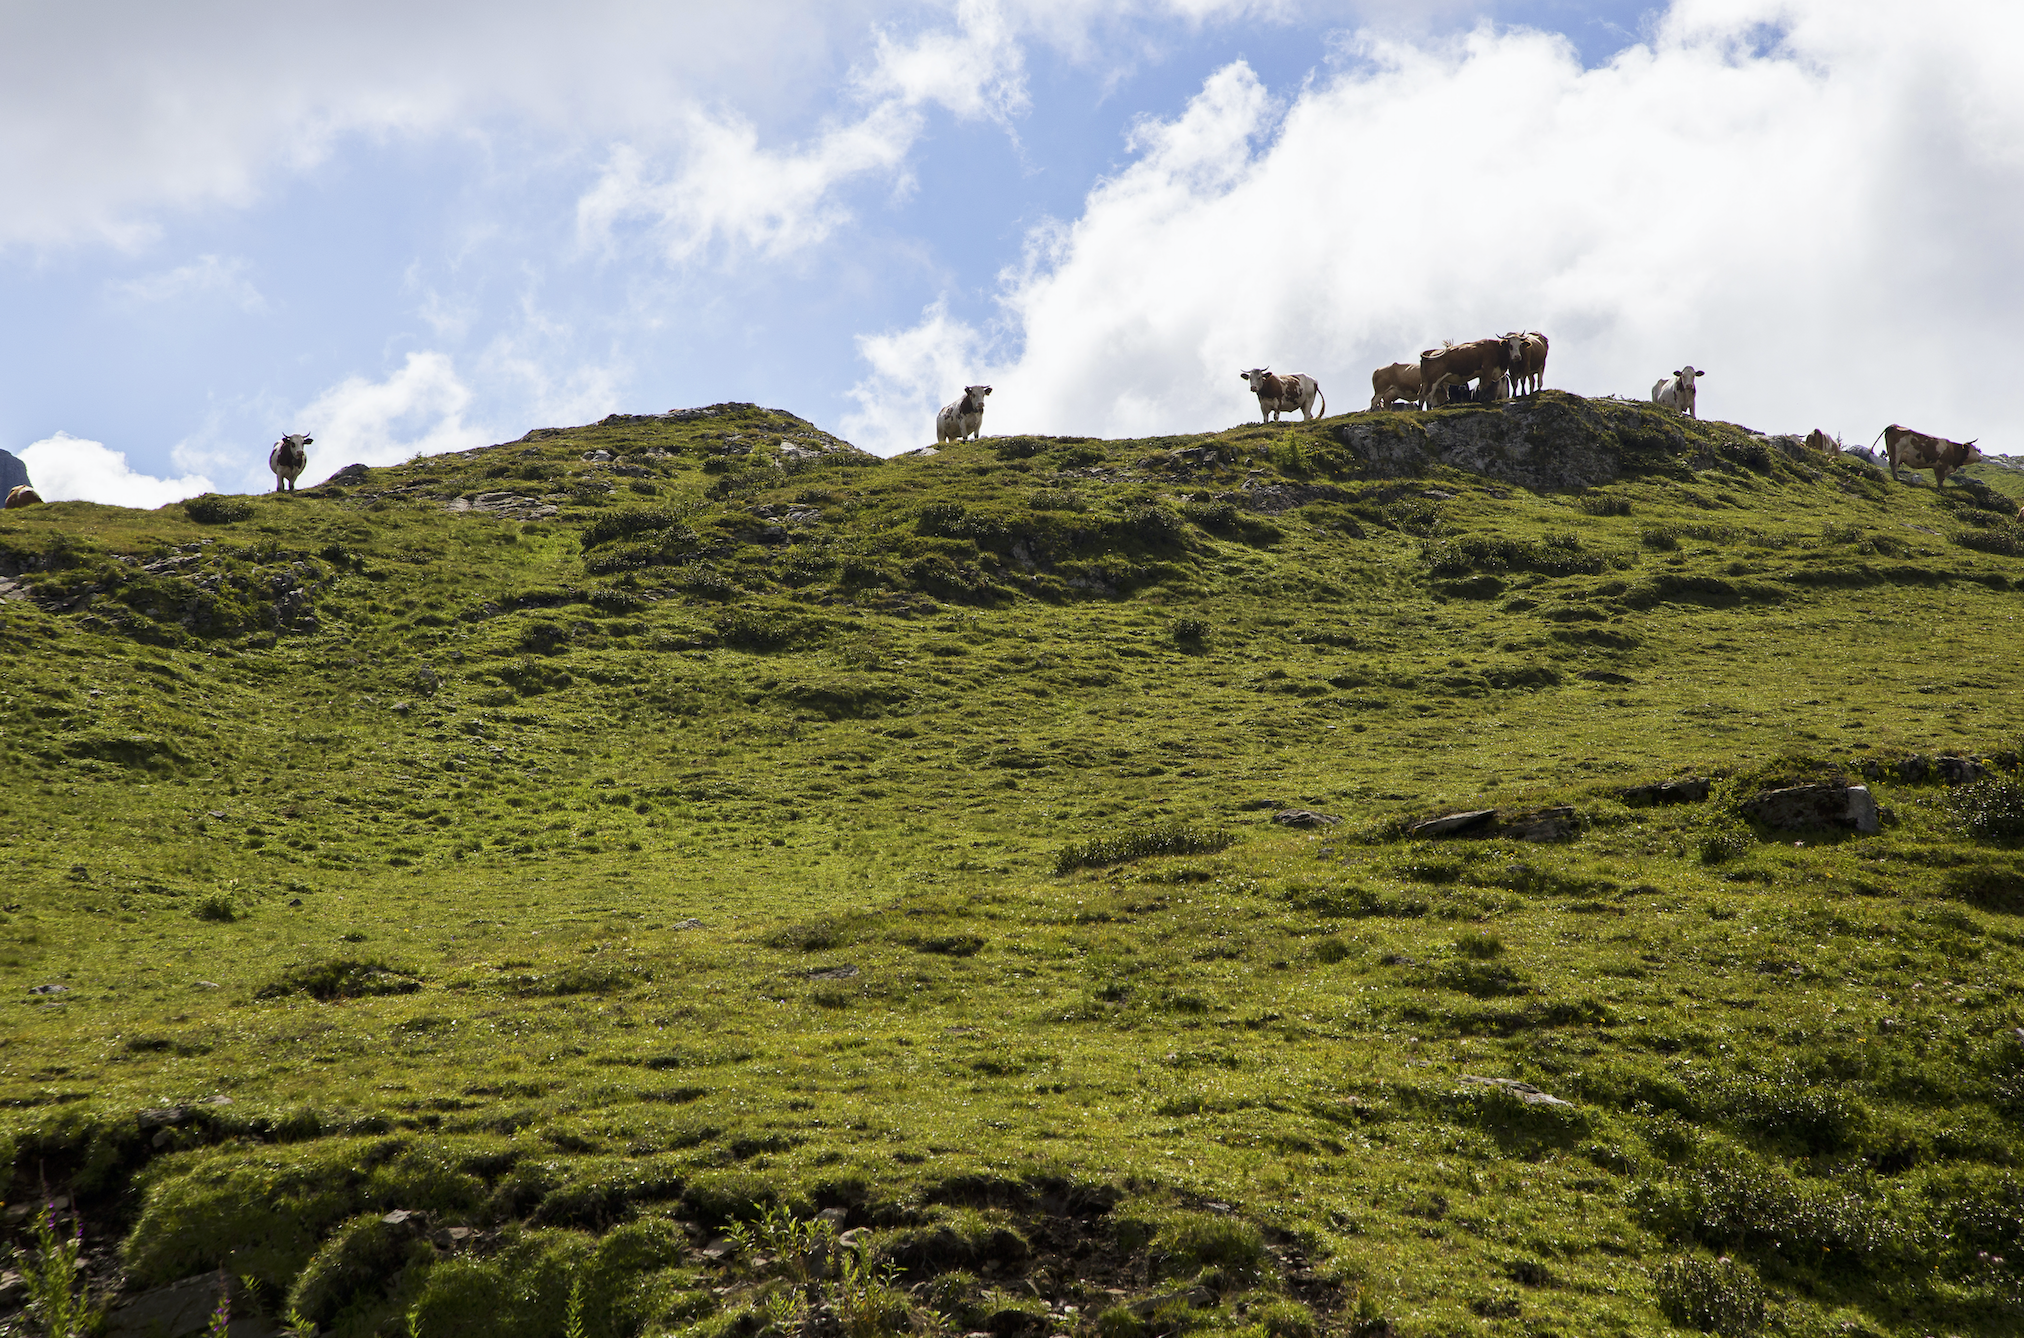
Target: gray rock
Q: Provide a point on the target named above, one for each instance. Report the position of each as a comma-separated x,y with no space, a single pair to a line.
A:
1801,807
1548,824
1959,770
186,1307
1548,441
686,924
1453,823
164,1116
1304,817
1524,1091
49,989
844,972
350,476
1689,790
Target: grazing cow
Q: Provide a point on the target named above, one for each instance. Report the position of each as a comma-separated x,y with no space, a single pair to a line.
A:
1676,392
1916,450
964,418
1285,393
1530,372
1816,440
22,496
1400,381
1479,358
289,458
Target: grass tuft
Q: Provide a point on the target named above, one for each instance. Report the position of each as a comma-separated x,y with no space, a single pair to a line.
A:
1172,838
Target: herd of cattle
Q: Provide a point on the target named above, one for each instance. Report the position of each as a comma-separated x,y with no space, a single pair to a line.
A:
1483,371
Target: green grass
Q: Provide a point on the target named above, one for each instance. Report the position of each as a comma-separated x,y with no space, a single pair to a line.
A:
597,884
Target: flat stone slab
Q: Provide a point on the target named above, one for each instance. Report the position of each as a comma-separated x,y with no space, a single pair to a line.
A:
1524,1091
1687,790
1452,823
184,1308
1801,807
1304,817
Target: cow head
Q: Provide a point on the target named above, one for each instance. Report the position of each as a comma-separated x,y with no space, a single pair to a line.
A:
1256,377
973,398
293,444
1511,351
1970,452
1687,374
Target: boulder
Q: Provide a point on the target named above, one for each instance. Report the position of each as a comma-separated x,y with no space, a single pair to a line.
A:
1549,441
1524,1091
1548,824
1687,790
1453,823
1800,807
186,1307
1304,817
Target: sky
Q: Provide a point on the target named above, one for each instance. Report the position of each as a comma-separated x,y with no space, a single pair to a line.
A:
429,225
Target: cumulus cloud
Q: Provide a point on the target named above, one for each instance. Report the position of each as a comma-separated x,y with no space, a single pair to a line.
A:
1804,197
66,468
418,410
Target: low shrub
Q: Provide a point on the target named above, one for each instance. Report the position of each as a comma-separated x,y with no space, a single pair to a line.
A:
1991,809
1170,838
217,908
339,978
1717,1296
213,509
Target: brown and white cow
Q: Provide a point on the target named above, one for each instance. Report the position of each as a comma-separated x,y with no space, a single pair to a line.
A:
1400,381
1283,394
1676,392
289,458
1486,359
22,495
1817,440
964,418
1529,373
1917,450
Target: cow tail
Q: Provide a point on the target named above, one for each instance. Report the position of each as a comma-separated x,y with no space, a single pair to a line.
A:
1877,438
1321,395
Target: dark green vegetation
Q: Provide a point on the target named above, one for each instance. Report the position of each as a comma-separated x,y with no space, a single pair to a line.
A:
762,832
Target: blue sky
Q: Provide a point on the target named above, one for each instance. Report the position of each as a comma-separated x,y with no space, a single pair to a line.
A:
428,226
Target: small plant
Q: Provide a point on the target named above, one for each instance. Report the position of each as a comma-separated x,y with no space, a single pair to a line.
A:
1991,809
295,1324
866,1298
1479,945
1716,1296
1723,846
58,1294
572,1323
1330,951
1602,504
217,908
212,509
1659,538
1169,838
1187,631
220,1324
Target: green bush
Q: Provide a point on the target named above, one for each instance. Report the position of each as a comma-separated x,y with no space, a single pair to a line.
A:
213,509
217,908
1718,1296
339,978
1478,944
1171,838
1991,809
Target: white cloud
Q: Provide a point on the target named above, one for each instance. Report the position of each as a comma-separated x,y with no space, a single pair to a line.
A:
418,410
205,277
64,468
1807,198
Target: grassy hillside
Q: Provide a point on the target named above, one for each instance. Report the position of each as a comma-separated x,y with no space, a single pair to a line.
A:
618,862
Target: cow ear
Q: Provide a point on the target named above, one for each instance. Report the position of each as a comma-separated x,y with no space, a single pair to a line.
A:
1700,373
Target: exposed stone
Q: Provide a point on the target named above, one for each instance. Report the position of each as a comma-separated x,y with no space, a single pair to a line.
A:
597,456
1524,1091
844,972
350,476
186,1307
1548,824
49,989
1688,790
686,924
1959,770
1545,441
1304,817
168,1116
1452,823
1799,807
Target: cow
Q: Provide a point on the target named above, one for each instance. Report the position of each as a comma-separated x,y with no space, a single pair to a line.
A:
1916,450
1400,381
964,418
289,458
1676,392
1479,358
1817,440
1530,372
22,496
1277,394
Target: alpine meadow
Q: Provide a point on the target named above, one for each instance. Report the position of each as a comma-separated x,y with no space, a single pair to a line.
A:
1547,868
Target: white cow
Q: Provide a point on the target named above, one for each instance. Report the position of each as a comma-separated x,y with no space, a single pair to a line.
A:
1676,392
964,418
1283,394
289,458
